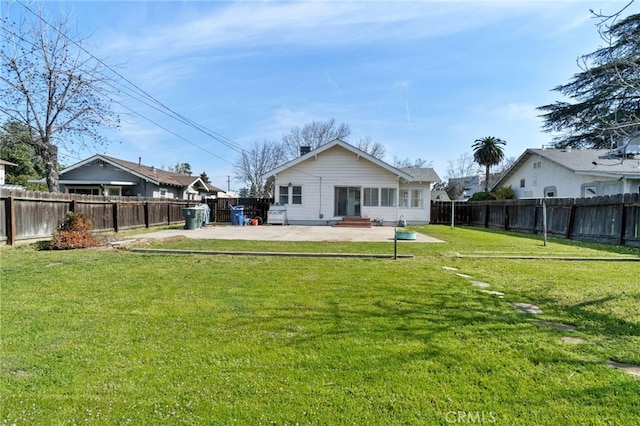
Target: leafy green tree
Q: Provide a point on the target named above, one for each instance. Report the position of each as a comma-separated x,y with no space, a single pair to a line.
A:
488,152
604,106
16,147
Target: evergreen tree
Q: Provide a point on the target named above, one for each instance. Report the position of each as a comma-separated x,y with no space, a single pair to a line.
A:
605,95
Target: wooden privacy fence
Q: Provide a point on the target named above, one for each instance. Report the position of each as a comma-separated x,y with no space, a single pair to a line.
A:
27,215
612,219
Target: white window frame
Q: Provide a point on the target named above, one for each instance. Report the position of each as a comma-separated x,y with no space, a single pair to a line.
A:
95,190
388,197
370,197
283,194
417,199
296,199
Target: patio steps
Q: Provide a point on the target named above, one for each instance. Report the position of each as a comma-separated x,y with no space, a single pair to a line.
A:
354,222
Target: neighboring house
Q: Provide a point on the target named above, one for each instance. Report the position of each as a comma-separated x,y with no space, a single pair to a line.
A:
104,175
440,195
337,180
472,184
4,163
573,173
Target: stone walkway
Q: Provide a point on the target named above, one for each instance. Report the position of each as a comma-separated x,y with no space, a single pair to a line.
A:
530,309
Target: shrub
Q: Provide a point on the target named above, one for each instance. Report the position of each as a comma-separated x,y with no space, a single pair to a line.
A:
75,232
505,193
482,196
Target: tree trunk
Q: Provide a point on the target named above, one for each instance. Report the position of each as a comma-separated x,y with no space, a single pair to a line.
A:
486,178
49,154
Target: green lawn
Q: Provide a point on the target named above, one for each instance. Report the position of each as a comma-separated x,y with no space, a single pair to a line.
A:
105,336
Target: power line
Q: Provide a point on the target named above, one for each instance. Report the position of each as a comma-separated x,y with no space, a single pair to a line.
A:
161,107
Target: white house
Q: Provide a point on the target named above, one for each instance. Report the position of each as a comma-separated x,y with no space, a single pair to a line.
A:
4,163
573,173
337,180
104,175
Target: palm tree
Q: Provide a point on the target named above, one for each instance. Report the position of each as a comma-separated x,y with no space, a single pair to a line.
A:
487,152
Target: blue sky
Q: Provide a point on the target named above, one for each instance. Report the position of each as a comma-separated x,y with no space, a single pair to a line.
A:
425,79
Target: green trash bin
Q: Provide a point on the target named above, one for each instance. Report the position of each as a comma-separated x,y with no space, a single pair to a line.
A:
191,217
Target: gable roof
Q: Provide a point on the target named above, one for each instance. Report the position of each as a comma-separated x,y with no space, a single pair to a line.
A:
422,174
594,162
148,173
338,142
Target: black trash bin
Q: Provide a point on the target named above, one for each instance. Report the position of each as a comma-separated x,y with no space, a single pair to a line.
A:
191,216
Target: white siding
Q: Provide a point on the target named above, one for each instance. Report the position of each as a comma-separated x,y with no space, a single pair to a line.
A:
320,175
539,173
416,215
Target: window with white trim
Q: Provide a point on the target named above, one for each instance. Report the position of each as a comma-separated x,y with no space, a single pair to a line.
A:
371,196
283,197
404,198
296,195
84,190
416,198
388,197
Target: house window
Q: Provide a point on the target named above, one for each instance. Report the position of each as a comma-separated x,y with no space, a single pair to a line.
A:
113,191
284,195
163,192
371,197
416,198
522,182
388,197
590,191
84,190
550,191
296,195
404,198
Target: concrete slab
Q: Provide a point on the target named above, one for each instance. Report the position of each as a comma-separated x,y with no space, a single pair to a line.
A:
290,233
527,308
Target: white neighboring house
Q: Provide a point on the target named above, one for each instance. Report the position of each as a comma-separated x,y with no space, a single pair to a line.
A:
573,173
338,180
4,163
104,175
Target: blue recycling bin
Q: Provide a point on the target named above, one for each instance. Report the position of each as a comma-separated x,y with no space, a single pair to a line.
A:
237,215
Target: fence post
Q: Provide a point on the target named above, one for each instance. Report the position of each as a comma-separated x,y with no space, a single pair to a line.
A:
146,214
115,216
623,218
11,222
486,215
571,220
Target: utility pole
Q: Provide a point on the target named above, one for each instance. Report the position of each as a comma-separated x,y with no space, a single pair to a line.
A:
228,183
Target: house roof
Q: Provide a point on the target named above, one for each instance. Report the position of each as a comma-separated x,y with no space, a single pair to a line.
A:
7,163
595,162
422,174
148,173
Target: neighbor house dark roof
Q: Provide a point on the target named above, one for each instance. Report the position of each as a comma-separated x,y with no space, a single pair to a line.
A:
149,173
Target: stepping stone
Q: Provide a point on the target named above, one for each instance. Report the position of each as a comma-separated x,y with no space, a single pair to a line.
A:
449,268
464,276
556,325
494,293
527,308
480,284
573,340
634,370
